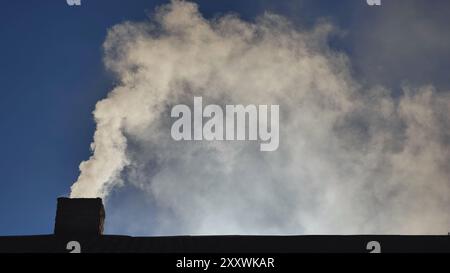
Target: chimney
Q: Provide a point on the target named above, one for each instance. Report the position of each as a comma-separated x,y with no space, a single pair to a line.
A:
82,217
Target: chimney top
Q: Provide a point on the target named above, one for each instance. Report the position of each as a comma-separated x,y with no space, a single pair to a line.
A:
79,216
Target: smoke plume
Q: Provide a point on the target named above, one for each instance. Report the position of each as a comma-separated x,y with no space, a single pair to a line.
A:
351,159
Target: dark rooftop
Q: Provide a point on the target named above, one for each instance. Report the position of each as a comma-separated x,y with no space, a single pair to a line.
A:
80,221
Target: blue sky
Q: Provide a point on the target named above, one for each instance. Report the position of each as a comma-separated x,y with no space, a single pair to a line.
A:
51,76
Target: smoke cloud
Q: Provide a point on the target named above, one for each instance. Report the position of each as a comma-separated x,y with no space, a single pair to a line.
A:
351,159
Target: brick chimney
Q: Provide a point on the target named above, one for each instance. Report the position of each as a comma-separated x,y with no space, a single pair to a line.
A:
82,217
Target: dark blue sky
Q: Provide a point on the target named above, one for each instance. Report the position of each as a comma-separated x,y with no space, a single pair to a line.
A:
51,76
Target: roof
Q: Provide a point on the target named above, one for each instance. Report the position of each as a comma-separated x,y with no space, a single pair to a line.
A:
223,244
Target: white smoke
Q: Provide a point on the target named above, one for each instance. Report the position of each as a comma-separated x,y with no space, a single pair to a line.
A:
351,160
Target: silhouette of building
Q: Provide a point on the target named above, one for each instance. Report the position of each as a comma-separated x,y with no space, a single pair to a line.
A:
79,224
